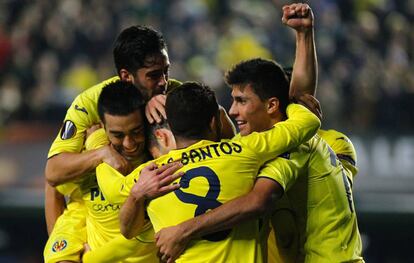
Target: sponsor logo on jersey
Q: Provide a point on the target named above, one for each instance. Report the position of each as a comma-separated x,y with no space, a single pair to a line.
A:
68,130
59,245
82,109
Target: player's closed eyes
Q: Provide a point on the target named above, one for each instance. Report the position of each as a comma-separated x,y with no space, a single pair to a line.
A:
119,136
155,75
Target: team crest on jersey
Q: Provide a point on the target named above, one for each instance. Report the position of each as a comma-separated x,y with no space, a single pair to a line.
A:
59,245
68,130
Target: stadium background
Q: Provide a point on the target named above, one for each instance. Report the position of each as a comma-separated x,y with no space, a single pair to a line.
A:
52,50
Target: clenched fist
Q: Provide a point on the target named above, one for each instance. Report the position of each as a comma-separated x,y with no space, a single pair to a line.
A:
298,16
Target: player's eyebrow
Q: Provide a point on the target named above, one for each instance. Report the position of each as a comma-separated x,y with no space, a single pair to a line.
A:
157,72
239,98
138,128
115,132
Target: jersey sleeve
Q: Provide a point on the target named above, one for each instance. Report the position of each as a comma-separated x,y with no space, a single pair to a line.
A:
124,248
114,186
300,126
344,150
110,183
81,115
96,140
281,170
72,133
173,84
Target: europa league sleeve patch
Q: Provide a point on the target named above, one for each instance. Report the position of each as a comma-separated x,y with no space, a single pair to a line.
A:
68,130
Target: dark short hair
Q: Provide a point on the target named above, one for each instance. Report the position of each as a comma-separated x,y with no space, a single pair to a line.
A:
266,77
120,98
134,47
190,109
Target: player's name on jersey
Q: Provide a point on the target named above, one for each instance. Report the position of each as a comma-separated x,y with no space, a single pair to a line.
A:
214,150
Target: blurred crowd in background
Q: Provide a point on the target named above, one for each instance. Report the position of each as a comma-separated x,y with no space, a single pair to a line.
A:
52,50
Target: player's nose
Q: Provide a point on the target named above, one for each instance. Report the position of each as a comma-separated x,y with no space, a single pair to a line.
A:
233,112
128,143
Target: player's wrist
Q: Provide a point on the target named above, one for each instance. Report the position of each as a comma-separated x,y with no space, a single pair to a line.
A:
305,33
138,196
188,229
102,154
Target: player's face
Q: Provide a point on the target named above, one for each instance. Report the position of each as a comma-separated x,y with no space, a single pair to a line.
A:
248,110
126,134
153,79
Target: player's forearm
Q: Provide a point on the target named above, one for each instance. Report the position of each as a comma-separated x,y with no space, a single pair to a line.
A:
54,206
115,250
305,69
66,167
227,129
132,216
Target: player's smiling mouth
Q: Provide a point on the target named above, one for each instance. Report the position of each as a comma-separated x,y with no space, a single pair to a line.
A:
241,123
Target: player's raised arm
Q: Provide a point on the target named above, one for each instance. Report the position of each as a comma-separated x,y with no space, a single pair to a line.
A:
305,69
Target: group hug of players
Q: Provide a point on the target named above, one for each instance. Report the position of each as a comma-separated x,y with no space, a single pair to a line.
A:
151,169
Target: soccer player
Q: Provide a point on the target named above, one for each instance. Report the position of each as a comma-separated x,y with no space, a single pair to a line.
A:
215,172
121,109
141,58
324,197
286,243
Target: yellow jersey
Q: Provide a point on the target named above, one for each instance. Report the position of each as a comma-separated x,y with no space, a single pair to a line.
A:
215,173
344,149
102,220
320,203
69,233
82,114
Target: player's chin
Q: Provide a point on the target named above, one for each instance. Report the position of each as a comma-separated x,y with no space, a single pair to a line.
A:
132,154
243,129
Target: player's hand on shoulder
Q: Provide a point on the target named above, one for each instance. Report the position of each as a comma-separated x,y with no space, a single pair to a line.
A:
298,16
156,181
116,160
311,103
171,242
155,109
92,129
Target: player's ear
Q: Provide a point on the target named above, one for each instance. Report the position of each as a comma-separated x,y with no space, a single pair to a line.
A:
272,105
161,138
165,138
124,75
